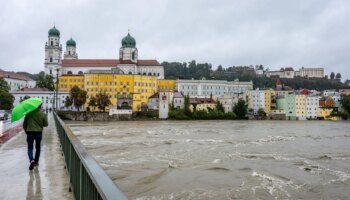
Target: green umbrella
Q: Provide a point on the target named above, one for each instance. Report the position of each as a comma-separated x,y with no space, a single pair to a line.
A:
24,108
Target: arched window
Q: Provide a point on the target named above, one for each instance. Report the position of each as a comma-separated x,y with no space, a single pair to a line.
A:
51,43
149,74
133,55
154,74
68,52
69,72
158,74
130,72
80,72
139,73
144,73
50,59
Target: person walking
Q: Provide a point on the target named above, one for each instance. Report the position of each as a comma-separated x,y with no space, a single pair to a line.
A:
33,125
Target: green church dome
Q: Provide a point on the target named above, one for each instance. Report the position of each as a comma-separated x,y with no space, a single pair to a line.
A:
54,32
71,43
128,41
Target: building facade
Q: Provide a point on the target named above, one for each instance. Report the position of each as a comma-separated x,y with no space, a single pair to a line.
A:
17,81
312,104
214,88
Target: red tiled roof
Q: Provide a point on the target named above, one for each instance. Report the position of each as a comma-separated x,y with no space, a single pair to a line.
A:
13,75
106,63
33,89
305,92
201,100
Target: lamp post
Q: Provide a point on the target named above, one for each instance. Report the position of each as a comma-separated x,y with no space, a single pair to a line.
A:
57,82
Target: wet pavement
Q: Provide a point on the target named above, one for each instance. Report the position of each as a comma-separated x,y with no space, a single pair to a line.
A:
47,181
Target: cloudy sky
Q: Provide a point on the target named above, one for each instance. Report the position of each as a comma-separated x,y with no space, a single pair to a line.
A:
275,33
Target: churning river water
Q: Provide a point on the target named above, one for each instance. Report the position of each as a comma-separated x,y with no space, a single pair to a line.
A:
222,159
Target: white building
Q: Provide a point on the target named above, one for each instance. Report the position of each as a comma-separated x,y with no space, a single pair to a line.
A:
312,104
17,81
127,62
311,72
256,100
165,97
230,99
53,53
46,95
178,100
216,88
289,72
153,102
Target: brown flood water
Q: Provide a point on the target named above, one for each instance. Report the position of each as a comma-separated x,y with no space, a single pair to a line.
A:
223,159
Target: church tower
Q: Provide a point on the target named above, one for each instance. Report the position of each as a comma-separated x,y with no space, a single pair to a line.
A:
53,53
128,51
71,50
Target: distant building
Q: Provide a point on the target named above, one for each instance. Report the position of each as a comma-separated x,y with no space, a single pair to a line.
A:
216,88
202,104
230,99
178,100
128,61
46,96
165,98
260,99
17,81
289,72
312,104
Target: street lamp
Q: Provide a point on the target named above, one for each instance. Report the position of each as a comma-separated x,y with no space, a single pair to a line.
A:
57,82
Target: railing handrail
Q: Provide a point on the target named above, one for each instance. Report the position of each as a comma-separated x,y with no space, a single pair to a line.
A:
103,183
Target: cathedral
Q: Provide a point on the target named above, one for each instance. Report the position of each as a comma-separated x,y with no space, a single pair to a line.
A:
128,62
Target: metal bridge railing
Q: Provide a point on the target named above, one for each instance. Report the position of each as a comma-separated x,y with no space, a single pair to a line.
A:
88,180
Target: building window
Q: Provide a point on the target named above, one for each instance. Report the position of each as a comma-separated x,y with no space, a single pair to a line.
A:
51,60
69,72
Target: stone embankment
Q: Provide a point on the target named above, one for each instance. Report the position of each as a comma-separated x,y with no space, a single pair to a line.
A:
92,116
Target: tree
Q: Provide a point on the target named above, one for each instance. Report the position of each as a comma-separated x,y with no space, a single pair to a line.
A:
45,81
219,68
338,76
345,102
4,86
332,75
240,109
78,96
102,101
92,102
6,100
261,112
68,102
187,103
220,107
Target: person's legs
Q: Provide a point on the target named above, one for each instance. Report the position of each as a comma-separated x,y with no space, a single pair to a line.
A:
30,141
37,147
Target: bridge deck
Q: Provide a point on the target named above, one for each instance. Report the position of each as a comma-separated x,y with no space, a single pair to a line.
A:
47,181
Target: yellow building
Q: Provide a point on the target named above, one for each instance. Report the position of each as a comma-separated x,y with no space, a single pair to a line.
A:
166,84
268,95
118,86
300,106
325,112
202,104
68,81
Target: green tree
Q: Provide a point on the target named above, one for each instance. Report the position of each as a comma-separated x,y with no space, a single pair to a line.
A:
187,104
102,101
68,102
338,75
220,107
345,103
332,75
92,102
45,81
6,100
240,109
261,112
78,97
3,85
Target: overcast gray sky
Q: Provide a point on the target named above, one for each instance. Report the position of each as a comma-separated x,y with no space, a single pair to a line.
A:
275,33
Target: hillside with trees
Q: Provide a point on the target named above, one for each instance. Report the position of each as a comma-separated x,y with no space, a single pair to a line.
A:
178,70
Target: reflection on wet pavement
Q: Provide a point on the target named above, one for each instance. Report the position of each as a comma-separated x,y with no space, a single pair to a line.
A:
47,181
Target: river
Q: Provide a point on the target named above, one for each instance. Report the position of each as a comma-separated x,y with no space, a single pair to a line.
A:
222,159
